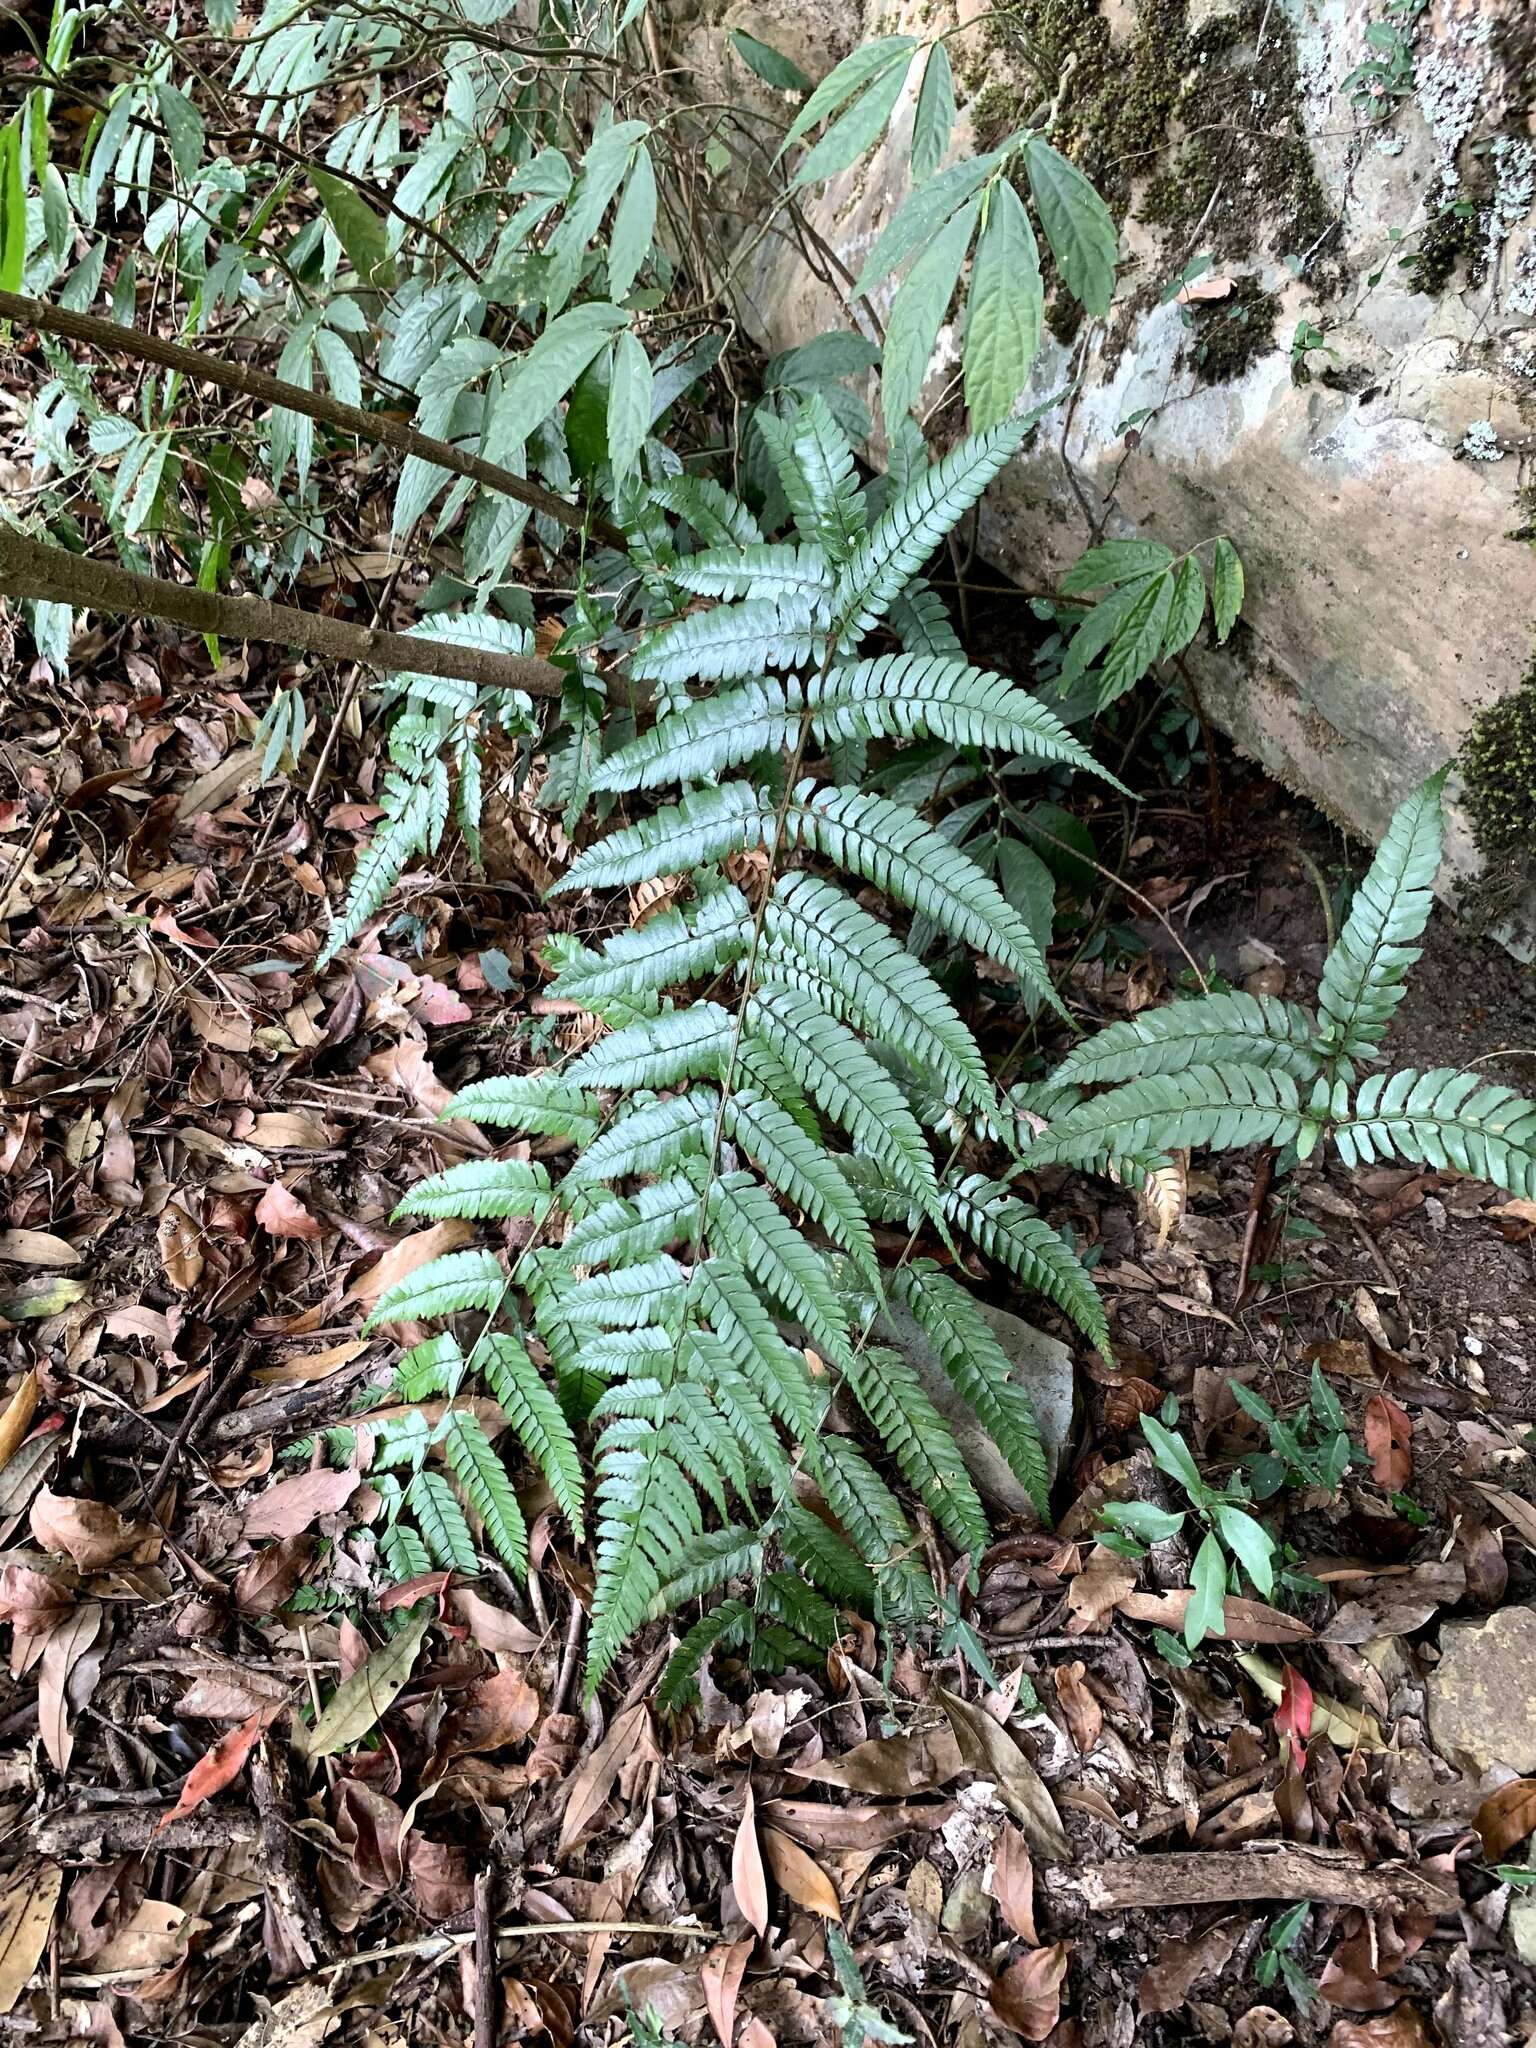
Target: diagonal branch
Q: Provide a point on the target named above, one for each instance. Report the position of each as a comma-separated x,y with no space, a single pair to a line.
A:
373,427
31,568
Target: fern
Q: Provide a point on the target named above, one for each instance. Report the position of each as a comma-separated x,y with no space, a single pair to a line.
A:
472,1458
1205,1031
481,1187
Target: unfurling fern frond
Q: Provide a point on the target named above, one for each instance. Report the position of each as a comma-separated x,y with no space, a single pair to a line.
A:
1364,974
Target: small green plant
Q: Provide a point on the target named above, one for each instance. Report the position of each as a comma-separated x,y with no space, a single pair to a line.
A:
1308,1448
1276,1959
854,2020
1377,86
1155,603
1236,1545
1308,341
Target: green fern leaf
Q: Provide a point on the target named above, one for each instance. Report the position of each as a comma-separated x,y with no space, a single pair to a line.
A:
624,1231
651,1293
704,827
1445,1118
647,1517
441,1521
710,1562
443,1287
921,622
1364,975
979,1371
1009,1230
777,569
804,1173
800,1608
667,950
405,1555
1202,1106
749,1224
917,696
1205,1031
481,1187
415,812
536,1419
651,1138
872,1516
909,530
473,1460
824,495
699,742
723,1628
778,1374
889,845
430,1370
707,1360
827,1559
862,971
675,1046
719,519
847,1084
734,640
918,1438
544,1105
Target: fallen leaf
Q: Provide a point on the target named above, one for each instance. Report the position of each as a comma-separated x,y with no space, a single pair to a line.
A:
37,1248
406,1256
1507,1817
1205,288
594,1781
66,1678
442,1880
797,1873
749,1880
368,1694
722,1972
1181,1965
491,1627
1027,1997
1400,2028
1388,1434
493,1713
220,1765
1084,1716
1345,1727
282,1214
34,1604
36,1300
294,1505
270,1579
181,1248
891,1766
88,1532
26,1919
17,1419
152,1939
1243,1621
1013,1883
992,1753
1293,1716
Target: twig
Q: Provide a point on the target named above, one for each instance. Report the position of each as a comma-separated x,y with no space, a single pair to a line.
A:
31,568
485,1962
441,1944
1284,1871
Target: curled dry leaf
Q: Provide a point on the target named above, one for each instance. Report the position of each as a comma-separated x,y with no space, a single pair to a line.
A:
1082,1712
1180,1965
1293,1716
17,1419
281,1214
88,1532
491,1627
594,1781
442,1881
749,1880
221,1765
1400,2028
1027,1996
403,1258
1388,1434
181,1248
34,1604
1506,1817
722,1972
494,1713
797,1873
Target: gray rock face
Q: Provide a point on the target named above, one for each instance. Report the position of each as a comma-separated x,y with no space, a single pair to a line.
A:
1482,1693
1042,1366
1374,495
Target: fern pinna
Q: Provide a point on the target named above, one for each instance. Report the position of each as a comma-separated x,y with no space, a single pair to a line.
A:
1234,1069
704,1279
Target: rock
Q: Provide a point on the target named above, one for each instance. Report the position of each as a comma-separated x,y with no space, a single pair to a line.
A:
1042,1366
1482,1693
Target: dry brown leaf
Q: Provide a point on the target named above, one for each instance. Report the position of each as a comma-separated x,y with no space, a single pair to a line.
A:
442,1879
154,1938
493,1713
991,1752
1388,1436
594,1781
272,1576
181,1248
88,1532
796,1872
1097,1590
491,1627
1013,1883
294,1505
66,1678
17,1419
1400,2028
1205,288
891,1766
722,1972
34,1604
26,1919
831,1829
37,1248
286,1130
1027,1997
1084,1716
1244,1621
749,1880
281,1214
318,1365
1507,1817
1181,1965
404,1258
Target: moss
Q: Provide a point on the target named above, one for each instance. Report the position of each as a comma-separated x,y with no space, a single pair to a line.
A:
1498,767
1234,332
995,112
1452,238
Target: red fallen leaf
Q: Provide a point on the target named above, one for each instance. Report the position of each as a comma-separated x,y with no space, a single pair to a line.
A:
1293,1716
426,1586
1027,1997
439,1005
1506,1817
1388,1433
222,1764
281,1214
165,922
1400,2028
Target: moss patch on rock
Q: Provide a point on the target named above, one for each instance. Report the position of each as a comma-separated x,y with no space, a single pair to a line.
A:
1234,332
1498,767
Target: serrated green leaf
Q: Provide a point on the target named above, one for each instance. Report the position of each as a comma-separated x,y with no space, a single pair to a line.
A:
481,1187
1226,587
629,403
1137,640
935,115
917,313
360,231
858,127
869,61
1187,609
1115,562
1003,309
634,230
1078,225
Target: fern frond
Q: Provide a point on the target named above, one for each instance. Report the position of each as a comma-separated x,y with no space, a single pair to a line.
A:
667,950
775,569
908,531
978,1369
1224,1107
1445,1118
850,1087
706,826
871,1514
778,1374
732,640
441,1521
919,1439
719,519
890,845
800,1608
1203,1031
415,812
629,1297
429,1370
536,1420
473,1461
710,1562
859,969
918,696
677,1045
828,1560
481,1187
702,740
814,458
623,1231
920,620
443,1287
1364,974
647,1517
706,1359
534,1105
802,1171
750,1225
652,1138
1009,1230
405,1555
723,1628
